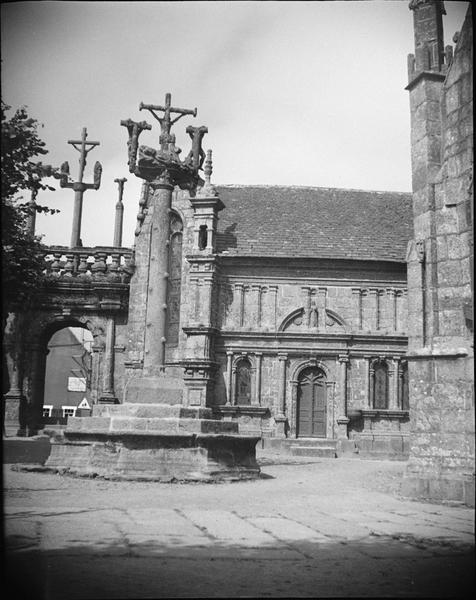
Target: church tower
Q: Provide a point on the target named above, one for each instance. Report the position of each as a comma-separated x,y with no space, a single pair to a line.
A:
440,354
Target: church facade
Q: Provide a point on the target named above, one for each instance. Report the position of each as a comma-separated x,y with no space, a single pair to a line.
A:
286,311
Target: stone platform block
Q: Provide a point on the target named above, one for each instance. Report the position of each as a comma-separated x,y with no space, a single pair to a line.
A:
129,424
156,457
150,411
155,390
320,451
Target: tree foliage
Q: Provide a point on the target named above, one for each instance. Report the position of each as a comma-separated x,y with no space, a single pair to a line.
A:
22,252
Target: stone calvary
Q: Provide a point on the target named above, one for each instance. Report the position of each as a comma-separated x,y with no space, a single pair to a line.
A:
315,321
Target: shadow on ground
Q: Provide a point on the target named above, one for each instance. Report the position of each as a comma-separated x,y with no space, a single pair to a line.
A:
373,567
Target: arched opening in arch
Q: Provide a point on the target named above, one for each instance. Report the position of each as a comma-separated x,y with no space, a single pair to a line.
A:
67,374
312,403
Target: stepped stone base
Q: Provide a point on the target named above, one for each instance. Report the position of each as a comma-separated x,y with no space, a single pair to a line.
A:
322,448
154,442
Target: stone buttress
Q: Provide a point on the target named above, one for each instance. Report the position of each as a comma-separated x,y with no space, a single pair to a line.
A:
440,355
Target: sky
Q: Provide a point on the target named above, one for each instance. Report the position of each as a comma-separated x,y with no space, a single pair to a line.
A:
293,93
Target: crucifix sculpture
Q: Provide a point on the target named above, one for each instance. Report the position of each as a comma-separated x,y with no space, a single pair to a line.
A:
83,147
164,163
166,122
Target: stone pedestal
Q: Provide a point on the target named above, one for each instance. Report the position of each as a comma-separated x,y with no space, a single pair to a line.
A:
280,421
15,413
342,423
155,442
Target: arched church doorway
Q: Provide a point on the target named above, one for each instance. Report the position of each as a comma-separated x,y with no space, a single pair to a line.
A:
312,403
67,387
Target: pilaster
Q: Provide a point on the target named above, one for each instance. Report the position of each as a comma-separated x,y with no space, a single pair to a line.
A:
280,417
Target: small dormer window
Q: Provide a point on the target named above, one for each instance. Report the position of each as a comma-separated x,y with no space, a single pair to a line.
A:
203,237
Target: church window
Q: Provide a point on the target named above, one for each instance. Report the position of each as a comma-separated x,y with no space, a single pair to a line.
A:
202,237
175,280
380,384
243,382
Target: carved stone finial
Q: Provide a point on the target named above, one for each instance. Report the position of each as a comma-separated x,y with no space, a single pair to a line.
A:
208,189
208,170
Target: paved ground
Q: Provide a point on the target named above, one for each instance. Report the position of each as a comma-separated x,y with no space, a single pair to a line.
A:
308,528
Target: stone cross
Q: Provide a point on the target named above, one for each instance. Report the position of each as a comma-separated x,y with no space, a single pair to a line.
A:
78,186
166,122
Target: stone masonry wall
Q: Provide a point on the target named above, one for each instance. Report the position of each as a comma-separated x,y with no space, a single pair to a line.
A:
441,464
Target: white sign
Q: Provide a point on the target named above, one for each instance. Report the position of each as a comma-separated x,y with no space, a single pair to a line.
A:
84,404
76,384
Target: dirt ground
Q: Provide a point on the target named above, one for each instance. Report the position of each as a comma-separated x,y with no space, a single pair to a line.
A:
307,528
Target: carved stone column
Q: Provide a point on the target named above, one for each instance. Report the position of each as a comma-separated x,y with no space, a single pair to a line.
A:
357,303
14,399
37,359
257,395
306,302
374,303
273,293
342,420
367,382
255,300
321,306
239,304
96,350
154,343
233,385
393,384
229,377
371,384
206,301
108,396
280,418
392,309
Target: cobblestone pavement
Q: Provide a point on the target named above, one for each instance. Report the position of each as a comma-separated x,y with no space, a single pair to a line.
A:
307,528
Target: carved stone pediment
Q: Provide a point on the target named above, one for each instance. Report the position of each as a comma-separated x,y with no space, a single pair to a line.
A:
312,320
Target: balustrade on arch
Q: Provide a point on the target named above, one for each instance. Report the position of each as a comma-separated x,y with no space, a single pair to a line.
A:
112,264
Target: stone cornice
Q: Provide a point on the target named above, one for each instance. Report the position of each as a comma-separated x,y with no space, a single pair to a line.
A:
251,410
437,353
351,338
332,263
429,75
384,413
200,330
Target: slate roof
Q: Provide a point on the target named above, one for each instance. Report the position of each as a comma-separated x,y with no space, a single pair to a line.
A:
280,221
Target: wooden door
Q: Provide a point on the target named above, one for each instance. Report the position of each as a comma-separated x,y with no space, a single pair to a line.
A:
312,404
